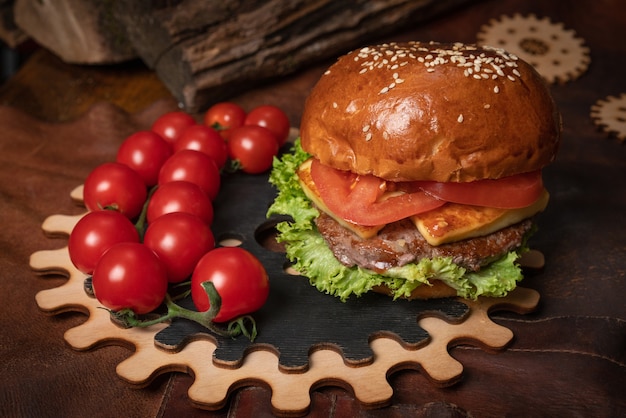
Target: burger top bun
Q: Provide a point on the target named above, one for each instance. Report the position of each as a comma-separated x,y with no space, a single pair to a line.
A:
430,111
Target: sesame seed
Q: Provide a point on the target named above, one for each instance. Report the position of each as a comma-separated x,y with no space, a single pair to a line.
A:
368,137
366,128
486,63
496,89
460,118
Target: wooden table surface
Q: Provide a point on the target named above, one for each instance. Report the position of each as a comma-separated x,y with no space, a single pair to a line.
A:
567,359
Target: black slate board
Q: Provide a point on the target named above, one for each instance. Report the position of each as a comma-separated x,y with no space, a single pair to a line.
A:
298,319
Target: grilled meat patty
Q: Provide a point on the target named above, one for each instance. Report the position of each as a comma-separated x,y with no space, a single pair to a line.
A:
400,243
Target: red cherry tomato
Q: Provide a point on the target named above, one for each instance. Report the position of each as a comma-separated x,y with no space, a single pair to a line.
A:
172,124
95,233
115,185
194,167
239,278
253,147
145,152
224,117
204,139
272,118
129,275
180,240
180,196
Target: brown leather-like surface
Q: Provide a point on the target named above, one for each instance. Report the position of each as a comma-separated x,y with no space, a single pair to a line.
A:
567,359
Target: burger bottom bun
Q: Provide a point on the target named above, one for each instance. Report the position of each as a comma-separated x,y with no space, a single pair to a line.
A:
435,290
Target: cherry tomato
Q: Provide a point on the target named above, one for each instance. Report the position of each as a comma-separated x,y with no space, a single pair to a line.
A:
225,116
115,185
95,233
180,240
204,139
172,124
239,278
272,118
130,275
180,196
254,147
145,152
194,167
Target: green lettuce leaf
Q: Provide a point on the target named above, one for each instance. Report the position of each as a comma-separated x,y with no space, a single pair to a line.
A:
310,255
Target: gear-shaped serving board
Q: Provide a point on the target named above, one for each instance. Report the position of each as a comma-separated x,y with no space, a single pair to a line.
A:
610,115
306,338
555,52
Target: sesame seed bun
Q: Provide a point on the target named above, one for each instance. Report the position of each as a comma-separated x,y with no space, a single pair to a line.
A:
430,111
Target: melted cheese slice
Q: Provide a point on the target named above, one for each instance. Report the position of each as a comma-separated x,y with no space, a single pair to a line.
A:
448,223
455,222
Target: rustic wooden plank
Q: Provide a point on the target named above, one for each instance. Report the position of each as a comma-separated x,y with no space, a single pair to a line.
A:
205,52
10,34
78,31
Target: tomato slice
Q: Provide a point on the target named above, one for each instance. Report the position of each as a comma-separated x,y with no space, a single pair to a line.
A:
357,198
510,192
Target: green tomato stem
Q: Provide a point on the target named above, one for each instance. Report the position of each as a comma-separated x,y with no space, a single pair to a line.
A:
234,328
141,223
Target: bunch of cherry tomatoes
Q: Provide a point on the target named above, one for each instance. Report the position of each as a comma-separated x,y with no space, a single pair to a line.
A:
148,225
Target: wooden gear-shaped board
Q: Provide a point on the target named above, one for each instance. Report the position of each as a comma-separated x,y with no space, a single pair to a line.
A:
355,352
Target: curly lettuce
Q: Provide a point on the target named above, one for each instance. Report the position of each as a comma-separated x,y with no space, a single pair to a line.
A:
310,255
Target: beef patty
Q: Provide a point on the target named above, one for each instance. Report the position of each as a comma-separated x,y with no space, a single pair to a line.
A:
400,243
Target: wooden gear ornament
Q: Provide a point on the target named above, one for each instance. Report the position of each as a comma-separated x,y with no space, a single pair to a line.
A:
419,337
609,114
555,52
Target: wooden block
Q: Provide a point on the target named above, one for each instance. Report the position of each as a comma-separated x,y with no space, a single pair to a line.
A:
207,51
10,33
78,31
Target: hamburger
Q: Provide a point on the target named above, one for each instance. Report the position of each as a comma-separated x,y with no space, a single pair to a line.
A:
417,172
